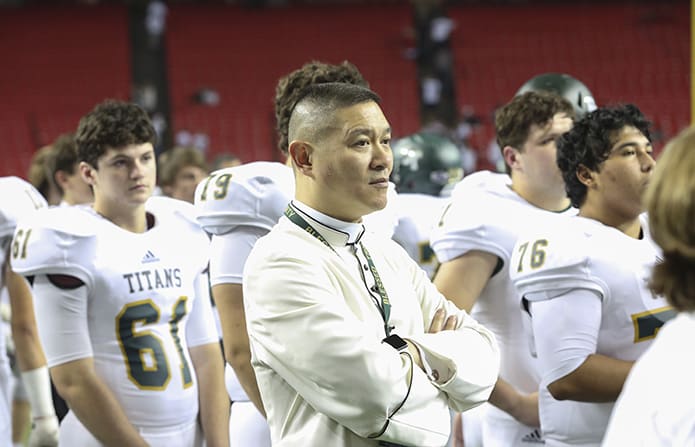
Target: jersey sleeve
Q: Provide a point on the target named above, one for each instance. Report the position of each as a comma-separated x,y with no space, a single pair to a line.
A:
253,195
550,260
201,328
55,241
474,220
565,332
228,254
61,317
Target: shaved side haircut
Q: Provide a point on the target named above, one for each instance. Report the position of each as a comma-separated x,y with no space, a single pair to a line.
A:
291,87
314,113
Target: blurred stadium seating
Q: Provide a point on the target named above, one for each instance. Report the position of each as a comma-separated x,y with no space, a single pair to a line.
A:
59,60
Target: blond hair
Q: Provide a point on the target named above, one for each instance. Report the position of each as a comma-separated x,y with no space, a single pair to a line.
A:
670,202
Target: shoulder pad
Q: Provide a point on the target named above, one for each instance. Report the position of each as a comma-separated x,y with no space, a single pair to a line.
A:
166,206
477,217
481,180
553,257
255,194
20,199
60,240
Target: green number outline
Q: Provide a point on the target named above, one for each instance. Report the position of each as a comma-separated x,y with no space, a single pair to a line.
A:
135,345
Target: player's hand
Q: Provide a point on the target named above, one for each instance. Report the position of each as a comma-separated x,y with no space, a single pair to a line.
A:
44,432
442,322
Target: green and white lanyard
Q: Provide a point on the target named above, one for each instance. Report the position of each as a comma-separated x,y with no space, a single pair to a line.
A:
385,307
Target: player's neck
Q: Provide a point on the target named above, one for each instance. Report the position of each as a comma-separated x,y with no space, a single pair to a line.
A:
70,199
133,219
543,198
628,224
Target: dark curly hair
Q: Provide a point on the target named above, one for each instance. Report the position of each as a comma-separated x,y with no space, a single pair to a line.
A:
590,141
112,124
513,120
291,86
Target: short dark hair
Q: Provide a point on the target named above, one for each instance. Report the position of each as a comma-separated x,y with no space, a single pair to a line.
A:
64,156
291,86
177,158
323,100
112,124
40,174
336,95
590,141
65,153
513,120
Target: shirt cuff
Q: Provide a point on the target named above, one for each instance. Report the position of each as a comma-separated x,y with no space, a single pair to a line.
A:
437,371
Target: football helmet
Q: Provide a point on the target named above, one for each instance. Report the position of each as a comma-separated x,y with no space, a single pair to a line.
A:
425,163
564,85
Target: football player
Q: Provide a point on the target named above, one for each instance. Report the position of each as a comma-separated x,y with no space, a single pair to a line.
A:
655,407
64,168
23,200
583,279
123,308
474,242
426,166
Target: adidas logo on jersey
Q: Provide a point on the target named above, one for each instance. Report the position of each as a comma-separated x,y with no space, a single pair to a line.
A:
534,437
149,257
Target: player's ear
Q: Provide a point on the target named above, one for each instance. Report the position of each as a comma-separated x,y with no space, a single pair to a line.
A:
87,172
301,154
61,178
511,157
586,176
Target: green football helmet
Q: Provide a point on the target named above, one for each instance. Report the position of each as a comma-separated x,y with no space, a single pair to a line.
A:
425,163
564,85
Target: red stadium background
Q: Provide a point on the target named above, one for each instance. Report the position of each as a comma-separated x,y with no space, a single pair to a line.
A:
61,59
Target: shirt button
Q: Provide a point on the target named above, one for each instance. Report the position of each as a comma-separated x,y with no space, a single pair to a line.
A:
365,266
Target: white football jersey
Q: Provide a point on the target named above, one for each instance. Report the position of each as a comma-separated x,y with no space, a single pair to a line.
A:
146,303
418,215
254,194
237,206
485,214
582,253
19,200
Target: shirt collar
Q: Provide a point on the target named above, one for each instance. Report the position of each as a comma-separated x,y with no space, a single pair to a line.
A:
336,232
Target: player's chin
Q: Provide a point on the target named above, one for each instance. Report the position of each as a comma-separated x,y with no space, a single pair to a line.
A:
379,202
140,194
